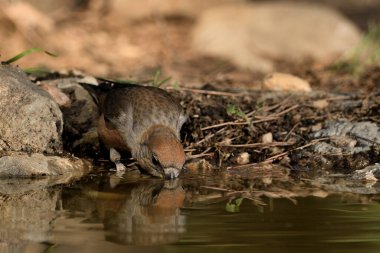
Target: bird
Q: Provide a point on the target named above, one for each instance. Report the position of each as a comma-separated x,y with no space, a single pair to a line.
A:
145,121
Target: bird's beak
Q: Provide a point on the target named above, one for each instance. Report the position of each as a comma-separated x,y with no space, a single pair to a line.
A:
171,173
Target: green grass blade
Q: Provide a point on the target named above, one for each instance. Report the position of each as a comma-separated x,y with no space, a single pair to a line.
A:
160,83
26,52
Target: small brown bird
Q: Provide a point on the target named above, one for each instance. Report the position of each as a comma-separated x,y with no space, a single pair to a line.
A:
145,121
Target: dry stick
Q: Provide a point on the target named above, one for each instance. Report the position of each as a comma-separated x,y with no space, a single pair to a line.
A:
230,123
215,188
272,158
255,145
225,142
189,149
285,111
208,92
203,154
204,139
338,98
200,155
270,108
235,123
291,131
313,142
207,137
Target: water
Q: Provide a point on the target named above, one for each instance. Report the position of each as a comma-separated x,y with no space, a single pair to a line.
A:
104,214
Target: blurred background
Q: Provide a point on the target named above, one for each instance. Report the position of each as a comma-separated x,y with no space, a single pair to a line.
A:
228,42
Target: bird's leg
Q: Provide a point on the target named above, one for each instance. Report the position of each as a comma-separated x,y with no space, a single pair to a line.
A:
115,157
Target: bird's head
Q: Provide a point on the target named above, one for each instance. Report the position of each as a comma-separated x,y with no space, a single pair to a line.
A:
161,154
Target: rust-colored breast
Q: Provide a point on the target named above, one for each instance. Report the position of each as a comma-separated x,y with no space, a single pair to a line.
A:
110,136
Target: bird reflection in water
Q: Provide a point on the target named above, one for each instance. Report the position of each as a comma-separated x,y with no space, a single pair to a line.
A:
142,213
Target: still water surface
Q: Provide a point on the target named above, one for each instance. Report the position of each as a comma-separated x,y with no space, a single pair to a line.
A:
98,215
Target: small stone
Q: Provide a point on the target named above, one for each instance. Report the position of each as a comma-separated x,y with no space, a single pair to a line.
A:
296,118
267,180
316,127
320,104
59,97
267,138
226,141
243,158
285,82
369,173
88,80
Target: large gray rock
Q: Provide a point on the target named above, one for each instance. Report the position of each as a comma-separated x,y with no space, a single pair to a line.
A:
347,137
132,10
29,120
256,35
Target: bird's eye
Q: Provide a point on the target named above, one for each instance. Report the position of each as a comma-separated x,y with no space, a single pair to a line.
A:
155,161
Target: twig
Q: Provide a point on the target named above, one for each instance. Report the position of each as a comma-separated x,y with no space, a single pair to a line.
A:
230,123
204,139
215,188
338,98
249,121
200,155
208,92
275,157
255,145
313,142
291,130
203,154
207,137
285,111
270,108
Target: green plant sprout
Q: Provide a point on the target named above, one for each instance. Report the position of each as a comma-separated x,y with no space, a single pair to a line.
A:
157,82
233,206
233,110
27,52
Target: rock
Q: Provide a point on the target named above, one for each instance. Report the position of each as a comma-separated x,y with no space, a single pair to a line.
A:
80,114
132,10
285,82
255,35
267,138
316,127
369,173
320,104
243,158
31,21
29,120
347,137
59,97
23,165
